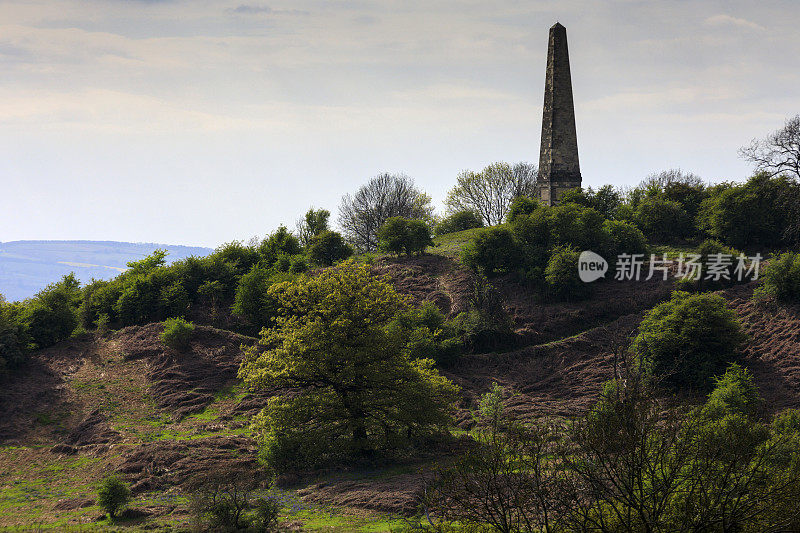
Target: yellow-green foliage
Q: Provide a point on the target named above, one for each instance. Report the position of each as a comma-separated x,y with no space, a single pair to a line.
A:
360,388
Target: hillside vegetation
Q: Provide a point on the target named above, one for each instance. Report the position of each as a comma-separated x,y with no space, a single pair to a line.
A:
463,381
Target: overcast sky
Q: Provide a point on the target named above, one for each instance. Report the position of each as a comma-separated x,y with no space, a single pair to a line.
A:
199,122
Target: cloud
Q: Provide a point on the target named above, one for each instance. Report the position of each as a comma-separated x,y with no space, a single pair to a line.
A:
252,10
727,20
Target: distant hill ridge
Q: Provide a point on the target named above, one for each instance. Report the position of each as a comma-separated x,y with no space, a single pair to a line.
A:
26,267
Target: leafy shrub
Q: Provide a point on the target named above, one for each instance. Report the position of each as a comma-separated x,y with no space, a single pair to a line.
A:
662,220
688,339
579,227
11,344
177,333
51,316
561,275
626,238
281,241
734,392
429,334
252,300
295,264
113,495
493,251
459,221
782,278
754,214
521,205
328,248
486,325
400,235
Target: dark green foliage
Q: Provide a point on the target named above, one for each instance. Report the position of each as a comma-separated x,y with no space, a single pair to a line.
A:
582,228
626,238
399,235
177,333
734,393
688,339
561,275
11,340
485,326
662,220
429,334
689,195
113,495
521,205
782,278
252,300
606,200
493,251
51,316
756,214
281,241
328,248
458,221
312,224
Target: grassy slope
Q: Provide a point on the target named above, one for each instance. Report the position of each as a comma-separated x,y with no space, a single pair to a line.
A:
36,484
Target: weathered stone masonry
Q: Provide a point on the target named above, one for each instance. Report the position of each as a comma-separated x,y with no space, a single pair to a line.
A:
559,169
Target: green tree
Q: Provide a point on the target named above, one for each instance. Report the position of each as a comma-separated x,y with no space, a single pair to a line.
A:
493,251
359,390
400,235
521,205
312,224
662,220
459,221
327,248
688,339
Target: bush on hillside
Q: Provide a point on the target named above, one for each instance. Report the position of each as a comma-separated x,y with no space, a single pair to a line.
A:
580,227
52,315
252,300
177,333
662,220
493,251
757,214
399,235
280,242
626,238
328,248
429,334
688,339
521,205
11,344
113,495
561,275
459,221
781,278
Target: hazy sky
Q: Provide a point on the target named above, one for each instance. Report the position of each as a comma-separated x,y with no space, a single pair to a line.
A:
199,122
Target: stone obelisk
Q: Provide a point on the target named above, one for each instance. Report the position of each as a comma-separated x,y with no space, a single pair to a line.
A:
558,157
